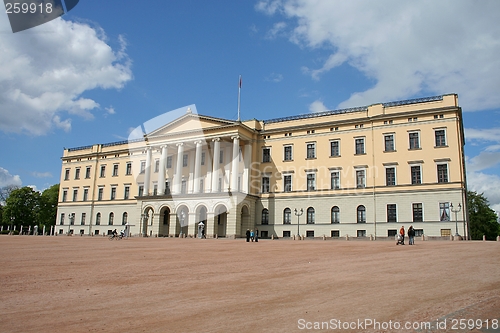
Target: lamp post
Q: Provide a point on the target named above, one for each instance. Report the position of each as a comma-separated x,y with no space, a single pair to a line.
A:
298,213
456,220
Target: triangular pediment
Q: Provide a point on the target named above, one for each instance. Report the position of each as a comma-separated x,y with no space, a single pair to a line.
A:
189,123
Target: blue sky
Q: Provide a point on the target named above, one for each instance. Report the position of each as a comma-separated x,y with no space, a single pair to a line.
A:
108,66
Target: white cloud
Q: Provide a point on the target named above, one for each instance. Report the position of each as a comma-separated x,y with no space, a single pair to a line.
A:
275,77
7,179
317,106
41,174
45,70
110,110
484,160
276,31
407,48
487,184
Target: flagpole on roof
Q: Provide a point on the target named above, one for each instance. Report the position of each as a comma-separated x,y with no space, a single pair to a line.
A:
239,93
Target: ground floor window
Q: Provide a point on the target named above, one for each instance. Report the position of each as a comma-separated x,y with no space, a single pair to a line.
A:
286,233
419,232
445,232
264,234
310,233
391,232
361,233
335,233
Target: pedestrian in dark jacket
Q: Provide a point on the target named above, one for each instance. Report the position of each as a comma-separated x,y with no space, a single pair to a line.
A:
411,236
248,235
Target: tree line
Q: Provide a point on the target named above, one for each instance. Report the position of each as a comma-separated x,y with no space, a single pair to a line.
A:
27,207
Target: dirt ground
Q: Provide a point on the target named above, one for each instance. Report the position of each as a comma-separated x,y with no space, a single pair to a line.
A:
91,284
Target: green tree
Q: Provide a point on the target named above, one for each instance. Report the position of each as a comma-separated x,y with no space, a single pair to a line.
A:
21,207
483,220
48,207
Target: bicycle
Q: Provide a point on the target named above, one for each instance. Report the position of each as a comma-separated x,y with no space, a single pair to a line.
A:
117,237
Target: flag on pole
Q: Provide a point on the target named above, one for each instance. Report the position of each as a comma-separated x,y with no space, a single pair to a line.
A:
239,92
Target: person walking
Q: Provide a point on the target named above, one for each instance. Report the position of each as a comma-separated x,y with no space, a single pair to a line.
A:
402,234
248,235
256,235
411,236
251,235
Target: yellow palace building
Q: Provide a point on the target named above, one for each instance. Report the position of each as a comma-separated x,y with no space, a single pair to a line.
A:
358,172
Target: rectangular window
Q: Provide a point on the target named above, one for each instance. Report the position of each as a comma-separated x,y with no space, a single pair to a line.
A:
183,187
310,233
335,233
169,162
126,192
288,153
185,160
129,169
77,173
66,174
266,155
113,193
75,194
361,233
444,211
335,180
265,184
360,178
221,157
287,186
202,186
62,219
416,175
202,158
335,148
414,140
417,212
311,182
84,216
389,142
157,165
103,171
391,213
155,189
311,150
85,194
115,170
390,176
440,136
167,187
87,173
100,193
360,146
141,190
442,173
65,195
143,166
286,233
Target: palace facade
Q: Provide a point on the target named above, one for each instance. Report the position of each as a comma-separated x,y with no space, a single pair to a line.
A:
356,172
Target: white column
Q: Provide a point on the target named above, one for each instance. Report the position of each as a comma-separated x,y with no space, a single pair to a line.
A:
197,167
247,159
147,171
215,169
235,164
161,172
178,172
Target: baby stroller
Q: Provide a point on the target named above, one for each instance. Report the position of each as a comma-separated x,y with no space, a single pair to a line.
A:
399,239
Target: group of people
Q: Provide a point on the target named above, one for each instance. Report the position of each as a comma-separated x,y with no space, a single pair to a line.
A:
411,236
252,235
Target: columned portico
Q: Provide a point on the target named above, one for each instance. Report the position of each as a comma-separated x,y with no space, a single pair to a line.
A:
147,171
235,164
197,166
178,170
215,169
161,172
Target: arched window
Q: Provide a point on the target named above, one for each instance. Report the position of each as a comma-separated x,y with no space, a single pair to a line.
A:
361,214
98,219
111,218
124,218
166,216
265,216
335,214
287,216
310,215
